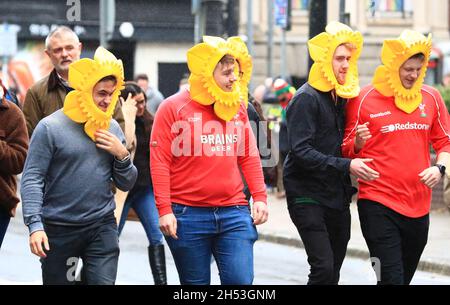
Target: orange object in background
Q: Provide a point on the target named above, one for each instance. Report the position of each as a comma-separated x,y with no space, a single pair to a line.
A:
20,77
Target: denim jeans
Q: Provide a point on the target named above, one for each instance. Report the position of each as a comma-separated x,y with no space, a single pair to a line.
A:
143,203
4,222
96,244
227,233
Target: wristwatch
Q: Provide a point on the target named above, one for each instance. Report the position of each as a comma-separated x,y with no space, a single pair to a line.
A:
441,168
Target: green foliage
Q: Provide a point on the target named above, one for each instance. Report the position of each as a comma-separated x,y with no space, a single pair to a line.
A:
445,92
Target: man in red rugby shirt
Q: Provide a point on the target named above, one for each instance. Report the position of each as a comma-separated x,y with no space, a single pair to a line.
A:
393,122
201,138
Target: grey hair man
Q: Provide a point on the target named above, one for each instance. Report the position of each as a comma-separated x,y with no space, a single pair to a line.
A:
63,47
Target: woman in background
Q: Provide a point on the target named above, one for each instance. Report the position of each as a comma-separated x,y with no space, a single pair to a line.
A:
138,126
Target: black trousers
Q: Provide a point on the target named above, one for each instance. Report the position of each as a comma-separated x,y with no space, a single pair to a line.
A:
395,241
325,233
96,244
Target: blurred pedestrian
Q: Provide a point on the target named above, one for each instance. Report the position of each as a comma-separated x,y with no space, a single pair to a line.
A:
284,93
141,198
154,97
13,151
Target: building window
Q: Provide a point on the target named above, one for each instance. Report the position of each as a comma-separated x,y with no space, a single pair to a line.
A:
300,5
391,8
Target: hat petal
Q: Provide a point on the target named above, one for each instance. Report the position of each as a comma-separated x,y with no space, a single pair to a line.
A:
72,108
317,80
225,112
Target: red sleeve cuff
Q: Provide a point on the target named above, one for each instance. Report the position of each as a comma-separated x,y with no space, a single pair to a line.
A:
262,198
167,209
349,151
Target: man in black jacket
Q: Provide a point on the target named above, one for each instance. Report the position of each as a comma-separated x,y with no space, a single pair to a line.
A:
316,177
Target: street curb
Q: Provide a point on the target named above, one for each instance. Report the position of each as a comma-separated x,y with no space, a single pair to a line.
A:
424,265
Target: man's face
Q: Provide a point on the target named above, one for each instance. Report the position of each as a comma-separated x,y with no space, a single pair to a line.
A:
63,49
140,104
102,94
224,75
284,97
340,63
143,84
409,72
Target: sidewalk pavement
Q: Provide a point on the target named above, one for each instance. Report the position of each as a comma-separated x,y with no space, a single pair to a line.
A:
435,258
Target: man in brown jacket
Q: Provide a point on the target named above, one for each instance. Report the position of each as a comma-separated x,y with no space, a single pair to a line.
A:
63,47
13,151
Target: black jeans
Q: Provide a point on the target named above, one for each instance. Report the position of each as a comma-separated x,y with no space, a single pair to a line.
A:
325,234
395,241
96,244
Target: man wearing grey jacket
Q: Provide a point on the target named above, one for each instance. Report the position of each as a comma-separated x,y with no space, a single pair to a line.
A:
68,204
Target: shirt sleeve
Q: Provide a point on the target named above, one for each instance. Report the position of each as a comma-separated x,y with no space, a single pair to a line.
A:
351,121
33,177
440,138
13,150
161,156
31,110
302,124
124,172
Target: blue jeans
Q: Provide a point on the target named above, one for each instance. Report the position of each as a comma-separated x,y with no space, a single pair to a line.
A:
227,233
4,222
143,203
96,244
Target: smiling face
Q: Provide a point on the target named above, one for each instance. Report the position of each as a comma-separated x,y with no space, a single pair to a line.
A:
341,63
102,93
410,71
224,73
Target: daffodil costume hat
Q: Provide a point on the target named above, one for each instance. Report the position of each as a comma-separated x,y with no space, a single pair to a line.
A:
84,74
321,49
393,55
202,60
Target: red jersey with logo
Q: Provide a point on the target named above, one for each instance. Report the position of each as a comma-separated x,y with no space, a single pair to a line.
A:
195,157
399,147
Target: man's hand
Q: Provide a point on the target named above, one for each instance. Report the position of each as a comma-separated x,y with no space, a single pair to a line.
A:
36,240
109,142
168,225
362,135
260,212
359,169
430,176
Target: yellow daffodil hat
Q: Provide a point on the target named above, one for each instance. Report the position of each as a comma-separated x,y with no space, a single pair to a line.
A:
394,54
84,74
202,60
321,49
